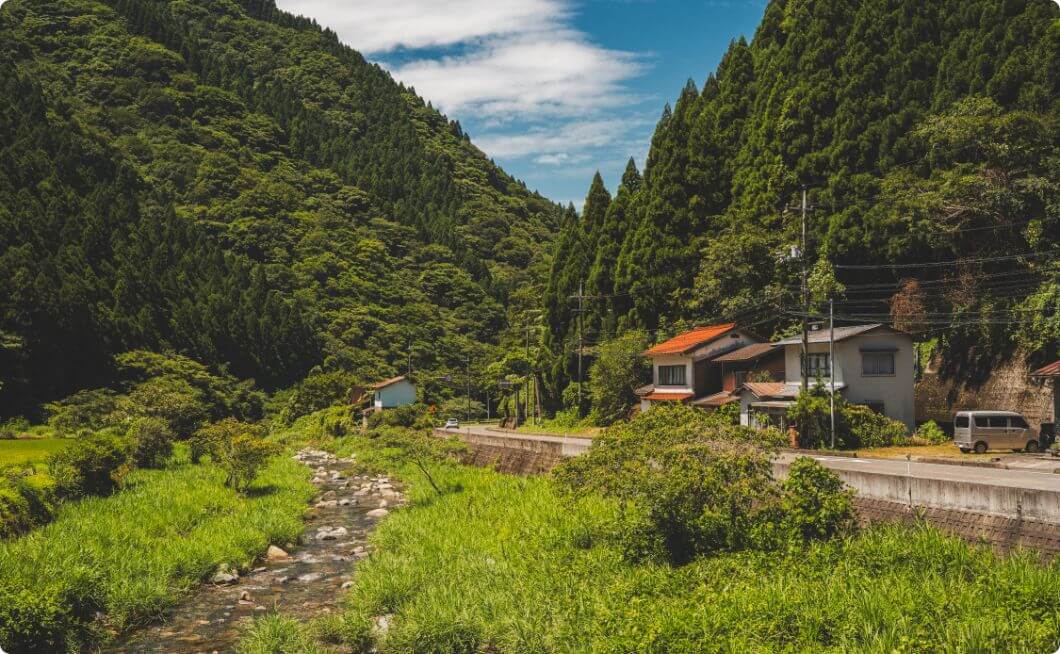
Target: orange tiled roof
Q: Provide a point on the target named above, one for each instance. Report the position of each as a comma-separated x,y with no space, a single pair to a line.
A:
717,399
669,397
688,341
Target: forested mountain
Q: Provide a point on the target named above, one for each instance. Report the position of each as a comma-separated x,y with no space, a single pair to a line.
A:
230,182
927,136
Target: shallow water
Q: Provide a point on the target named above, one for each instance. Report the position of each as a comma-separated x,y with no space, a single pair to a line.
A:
307,584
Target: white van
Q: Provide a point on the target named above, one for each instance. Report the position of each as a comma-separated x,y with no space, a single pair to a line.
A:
993,430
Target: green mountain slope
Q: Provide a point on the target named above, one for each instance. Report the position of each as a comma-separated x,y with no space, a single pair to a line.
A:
332,215
925,133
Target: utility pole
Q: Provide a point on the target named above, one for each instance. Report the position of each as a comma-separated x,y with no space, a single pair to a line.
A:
831,365
529,400
469,388
409,371
805,302
581,300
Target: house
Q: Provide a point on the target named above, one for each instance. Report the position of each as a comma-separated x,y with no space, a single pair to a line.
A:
393,392
874,366
683,367
757,362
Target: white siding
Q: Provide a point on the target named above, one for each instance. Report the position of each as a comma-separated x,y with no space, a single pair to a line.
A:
397,394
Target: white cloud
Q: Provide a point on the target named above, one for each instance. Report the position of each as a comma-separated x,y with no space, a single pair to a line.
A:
553,73
375,26
556,140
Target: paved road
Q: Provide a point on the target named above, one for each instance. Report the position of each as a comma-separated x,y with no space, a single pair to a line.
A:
1038,474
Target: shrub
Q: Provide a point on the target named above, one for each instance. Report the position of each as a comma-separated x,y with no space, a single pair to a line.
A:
171,399
932,433
318,391
13,428
814,505
570,399
94,465
26,500
82,412
412,416
701,483
239,448
867,428
153,442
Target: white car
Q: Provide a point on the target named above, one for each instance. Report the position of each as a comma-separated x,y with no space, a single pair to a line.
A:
452,423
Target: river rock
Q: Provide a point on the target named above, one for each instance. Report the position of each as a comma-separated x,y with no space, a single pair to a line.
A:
225,575
310,577
378,513
332,533
276,554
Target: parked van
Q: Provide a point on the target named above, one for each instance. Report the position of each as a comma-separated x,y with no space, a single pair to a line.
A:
993,430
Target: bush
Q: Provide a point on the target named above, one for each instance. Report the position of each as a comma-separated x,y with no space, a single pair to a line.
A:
318,391
238,448
94,465
702,484
932,433
814,505
26,500
82,412
153,441
570,399
856,425
412,416
171,399
13,428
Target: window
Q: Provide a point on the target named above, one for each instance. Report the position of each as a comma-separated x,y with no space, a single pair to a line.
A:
998,421
818,365
1018,423
877,364
961,422
980,421
877,407
671,375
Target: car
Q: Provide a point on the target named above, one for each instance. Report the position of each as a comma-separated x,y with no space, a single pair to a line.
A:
452,423
980,431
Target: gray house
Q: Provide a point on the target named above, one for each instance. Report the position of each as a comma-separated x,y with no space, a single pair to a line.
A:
393,392
874,366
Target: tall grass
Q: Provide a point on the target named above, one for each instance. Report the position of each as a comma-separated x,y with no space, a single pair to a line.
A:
508,563
106,563
29,450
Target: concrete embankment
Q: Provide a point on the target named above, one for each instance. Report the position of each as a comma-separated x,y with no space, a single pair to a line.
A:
1005,515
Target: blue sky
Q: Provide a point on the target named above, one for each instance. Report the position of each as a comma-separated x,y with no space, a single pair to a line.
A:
553,90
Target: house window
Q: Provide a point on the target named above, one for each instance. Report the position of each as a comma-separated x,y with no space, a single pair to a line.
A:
817,365
671,375
877,364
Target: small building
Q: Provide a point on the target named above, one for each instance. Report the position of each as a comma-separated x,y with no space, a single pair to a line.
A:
1050,373
393,392
757,362
683,368
874,366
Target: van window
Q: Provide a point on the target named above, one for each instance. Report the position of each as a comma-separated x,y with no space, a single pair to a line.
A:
1018,423
980,421
961,422
998,421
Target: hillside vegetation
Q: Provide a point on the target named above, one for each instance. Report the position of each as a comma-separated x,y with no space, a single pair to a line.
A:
928,137
229,182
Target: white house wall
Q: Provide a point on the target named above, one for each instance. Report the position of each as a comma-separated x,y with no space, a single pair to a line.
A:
397,394
673,360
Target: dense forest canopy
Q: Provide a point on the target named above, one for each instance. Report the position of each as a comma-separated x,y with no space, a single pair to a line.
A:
229,182
928,137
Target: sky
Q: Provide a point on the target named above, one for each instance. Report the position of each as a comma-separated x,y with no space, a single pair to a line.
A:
552,90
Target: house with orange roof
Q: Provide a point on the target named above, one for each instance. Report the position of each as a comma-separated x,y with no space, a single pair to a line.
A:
684,367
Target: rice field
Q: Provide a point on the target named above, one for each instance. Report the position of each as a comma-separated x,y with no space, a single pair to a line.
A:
29,450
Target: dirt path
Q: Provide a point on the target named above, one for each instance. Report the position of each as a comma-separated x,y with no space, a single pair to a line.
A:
305,584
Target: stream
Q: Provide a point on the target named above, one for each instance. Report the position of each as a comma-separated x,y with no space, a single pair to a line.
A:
306,583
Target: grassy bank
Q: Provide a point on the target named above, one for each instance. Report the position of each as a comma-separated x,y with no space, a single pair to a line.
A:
506,563
29,450
131,555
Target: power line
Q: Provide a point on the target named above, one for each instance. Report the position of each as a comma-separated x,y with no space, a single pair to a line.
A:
932,264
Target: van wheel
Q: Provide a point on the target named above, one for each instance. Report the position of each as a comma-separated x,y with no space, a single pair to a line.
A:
966,450
980,447
1032,447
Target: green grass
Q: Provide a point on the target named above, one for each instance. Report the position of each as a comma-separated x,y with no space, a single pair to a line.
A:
29,450
133,554
507,563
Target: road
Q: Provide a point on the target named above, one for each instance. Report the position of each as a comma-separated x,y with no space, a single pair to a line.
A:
1037,474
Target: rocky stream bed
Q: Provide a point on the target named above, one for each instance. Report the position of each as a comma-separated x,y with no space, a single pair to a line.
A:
305,583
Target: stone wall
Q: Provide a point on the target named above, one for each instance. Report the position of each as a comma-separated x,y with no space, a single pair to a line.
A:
1009,388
